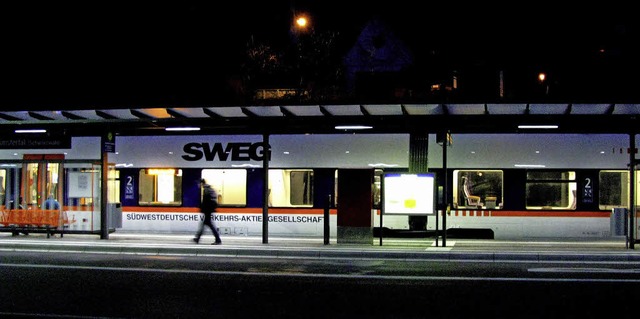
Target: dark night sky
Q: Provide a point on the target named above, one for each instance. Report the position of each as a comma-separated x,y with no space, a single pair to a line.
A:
118,53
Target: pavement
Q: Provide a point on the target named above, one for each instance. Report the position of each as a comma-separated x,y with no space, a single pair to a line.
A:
613,249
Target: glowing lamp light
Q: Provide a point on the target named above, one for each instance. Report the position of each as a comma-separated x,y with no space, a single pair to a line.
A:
353,127
181,129
546,127
302,22
31,131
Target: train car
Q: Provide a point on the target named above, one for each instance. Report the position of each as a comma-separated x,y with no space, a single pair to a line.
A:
515,185
511,185
159,179
538,185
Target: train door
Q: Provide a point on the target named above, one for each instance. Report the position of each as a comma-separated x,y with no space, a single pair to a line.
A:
42,179
354,221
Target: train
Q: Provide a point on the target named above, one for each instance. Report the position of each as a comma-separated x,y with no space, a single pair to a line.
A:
511,186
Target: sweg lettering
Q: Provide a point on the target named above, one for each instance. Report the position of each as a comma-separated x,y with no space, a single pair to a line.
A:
238,151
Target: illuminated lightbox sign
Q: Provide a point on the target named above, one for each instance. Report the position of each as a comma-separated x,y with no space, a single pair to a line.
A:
409,194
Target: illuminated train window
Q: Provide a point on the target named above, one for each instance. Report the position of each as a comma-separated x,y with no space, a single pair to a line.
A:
287,187
551,190
290,187
377,188
478,189
614,190
230,184
160,186
3,185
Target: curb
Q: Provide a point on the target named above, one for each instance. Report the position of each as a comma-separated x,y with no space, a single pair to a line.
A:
330,252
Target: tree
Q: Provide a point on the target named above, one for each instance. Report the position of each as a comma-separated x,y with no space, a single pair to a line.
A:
310,65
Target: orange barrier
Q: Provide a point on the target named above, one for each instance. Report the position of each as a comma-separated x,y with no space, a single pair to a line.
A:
51,219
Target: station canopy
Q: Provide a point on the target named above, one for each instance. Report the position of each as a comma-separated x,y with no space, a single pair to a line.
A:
310,119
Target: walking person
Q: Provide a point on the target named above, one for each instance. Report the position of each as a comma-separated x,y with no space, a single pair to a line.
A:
208,206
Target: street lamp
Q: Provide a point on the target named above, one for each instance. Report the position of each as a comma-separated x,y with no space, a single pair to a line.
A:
300,29
542,78
301,22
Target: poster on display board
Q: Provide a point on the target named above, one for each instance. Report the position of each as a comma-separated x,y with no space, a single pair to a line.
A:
79,185
409,194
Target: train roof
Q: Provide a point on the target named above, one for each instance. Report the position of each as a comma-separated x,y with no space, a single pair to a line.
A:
301,119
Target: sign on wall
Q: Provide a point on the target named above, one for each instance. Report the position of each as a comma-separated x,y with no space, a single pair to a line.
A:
36,142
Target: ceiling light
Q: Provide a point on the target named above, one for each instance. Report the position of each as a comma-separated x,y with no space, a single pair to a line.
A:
538,126
244,165
353,127
530,165
182,129
382,165
31,131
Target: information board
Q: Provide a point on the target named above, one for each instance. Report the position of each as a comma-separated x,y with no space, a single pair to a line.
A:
409,194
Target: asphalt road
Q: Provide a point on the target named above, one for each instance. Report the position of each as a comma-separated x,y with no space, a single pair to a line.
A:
70,285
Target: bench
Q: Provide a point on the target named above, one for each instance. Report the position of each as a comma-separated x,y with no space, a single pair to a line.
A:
49,221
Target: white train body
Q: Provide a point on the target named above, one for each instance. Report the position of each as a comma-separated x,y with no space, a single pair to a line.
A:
315,157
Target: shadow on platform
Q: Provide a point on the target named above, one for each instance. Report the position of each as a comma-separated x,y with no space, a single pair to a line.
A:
462,233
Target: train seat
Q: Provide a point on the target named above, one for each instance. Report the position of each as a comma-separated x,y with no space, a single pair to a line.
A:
472,200
490,201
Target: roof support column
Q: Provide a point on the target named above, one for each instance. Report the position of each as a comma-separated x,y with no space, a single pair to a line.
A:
419,163
632,189
266,155
104,194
